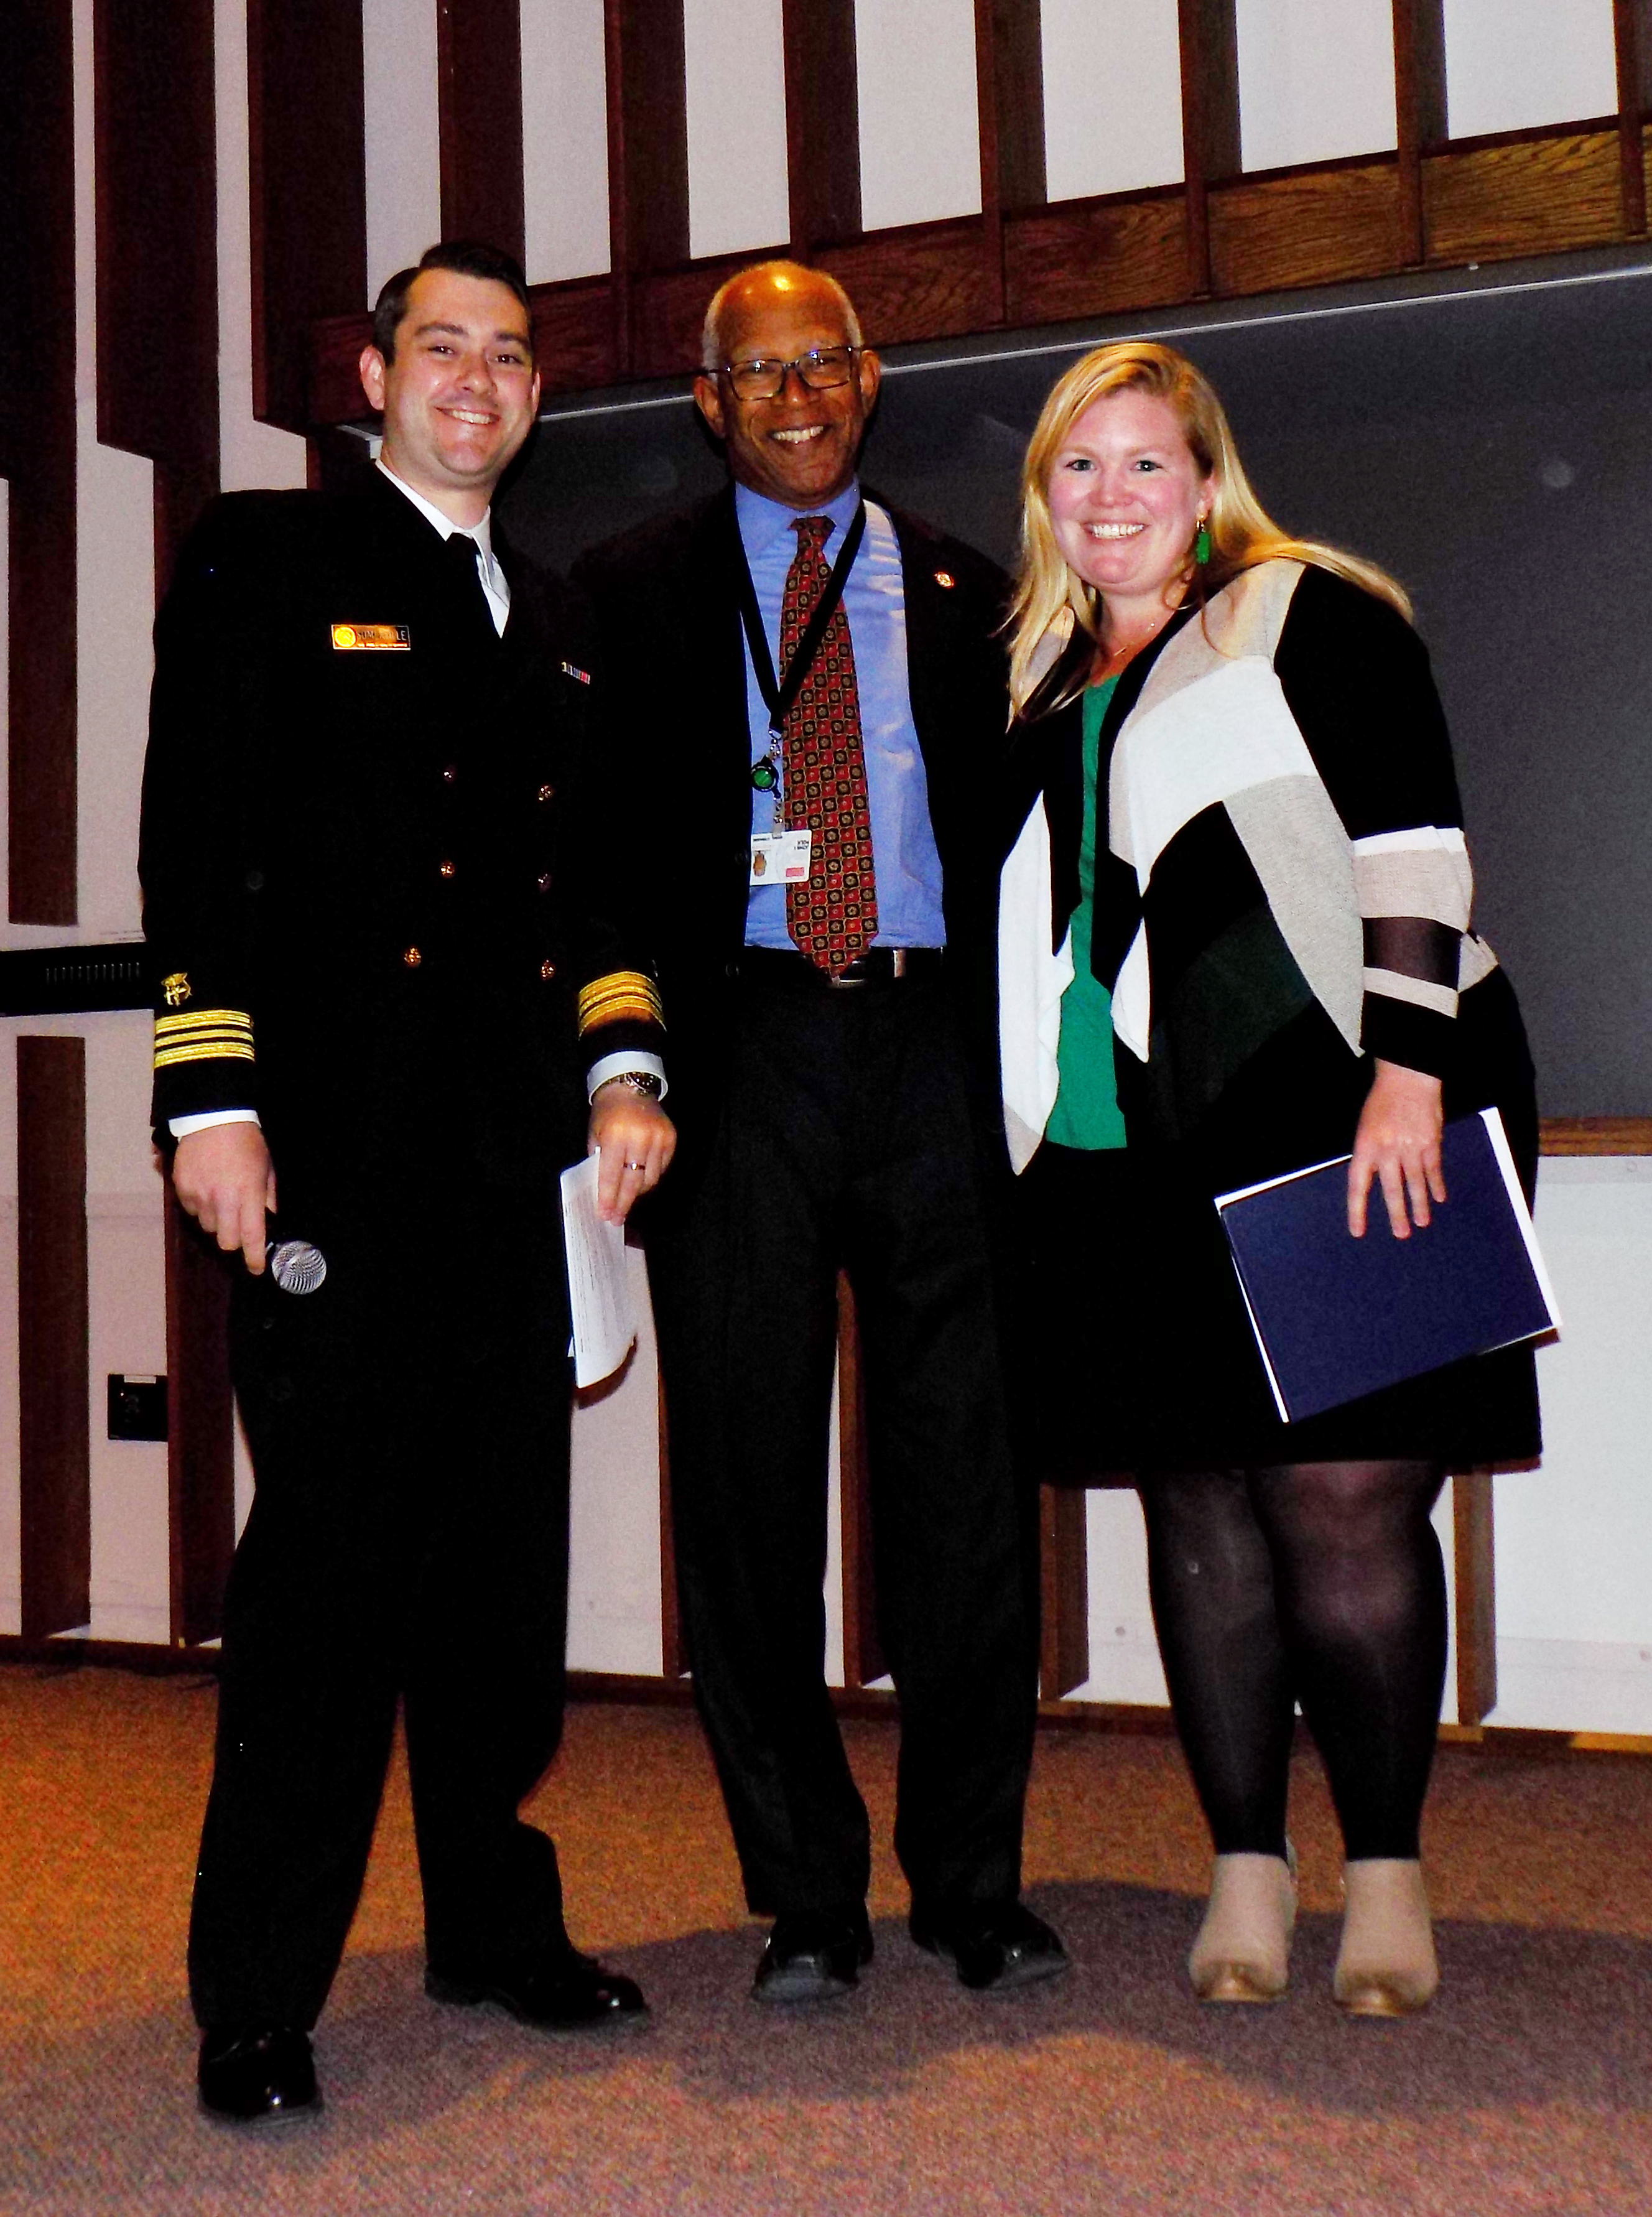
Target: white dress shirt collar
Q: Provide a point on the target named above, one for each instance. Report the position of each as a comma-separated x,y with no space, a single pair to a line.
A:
494,584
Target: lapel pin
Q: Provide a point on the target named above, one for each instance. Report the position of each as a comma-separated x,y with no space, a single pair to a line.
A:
945,578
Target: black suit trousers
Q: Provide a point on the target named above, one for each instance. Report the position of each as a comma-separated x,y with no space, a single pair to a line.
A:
846,1141
408,1540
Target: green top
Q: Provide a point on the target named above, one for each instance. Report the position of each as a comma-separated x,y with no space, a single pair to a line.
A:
1087,1113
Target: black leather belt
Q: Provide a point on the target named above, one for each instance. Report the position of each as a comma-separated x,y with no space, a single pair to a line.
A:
878,966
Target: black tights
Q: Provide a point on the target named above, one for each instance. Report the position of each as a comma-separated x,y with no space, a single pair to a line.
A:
1314,1582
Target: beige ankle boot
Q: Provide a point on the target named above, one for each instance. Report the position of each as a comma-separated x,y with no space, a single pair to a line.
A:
1242,1952
1386,1965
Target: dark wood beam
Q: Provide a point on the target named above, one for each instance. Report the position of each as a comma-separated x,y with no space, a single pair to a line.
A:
1009,106
54,1420
309,202
1419,109
201,1431
1009,56
648,150
1475,1594
37,454
823,122
1064,1592
156,222
1633,33
1210,117
479,70
863,1653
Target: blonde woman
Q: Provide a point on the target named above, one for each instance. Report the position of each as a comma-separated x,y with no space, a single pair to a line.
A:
1235,940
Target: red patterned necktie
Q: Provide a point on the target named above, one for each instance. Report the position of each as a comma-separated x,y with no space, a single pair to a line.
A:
833,918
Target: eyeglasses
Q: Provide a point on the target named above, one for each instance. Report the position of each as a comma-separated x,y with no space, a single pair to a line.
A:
820,370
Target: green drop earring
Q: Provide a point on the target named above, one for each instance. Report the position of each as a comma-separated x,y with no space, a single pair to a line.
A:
1202,544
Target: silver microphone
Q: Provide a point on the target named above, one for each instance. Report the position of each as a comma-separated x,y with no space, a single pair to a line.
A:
297,1267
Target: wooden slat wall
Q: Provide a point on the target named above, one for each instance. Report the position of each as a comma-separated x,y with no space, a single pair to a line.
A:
54,1436
37,453
479,79
1022,261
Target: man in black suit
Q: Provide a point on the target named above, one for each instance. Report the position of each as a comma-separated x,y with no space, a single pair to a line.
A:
386,985
808,735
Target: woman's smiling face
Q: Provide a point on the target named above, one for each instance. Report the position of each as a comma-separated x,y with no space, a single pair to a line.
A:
1125,495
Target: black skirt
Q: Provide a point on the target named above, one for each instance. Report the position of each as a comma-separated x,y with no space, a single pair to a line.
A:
1138,1355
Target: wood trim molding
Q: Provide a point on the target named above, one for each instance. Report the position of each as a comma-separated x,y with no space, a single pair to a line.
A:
823,122
1009,108
1631,24
309,195
54,1416
37,456
479,95
1595,1135
1522,193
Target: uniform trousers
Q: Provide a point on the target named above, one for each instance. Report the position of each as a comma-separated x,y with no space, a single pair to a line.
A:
846,1141
407,1538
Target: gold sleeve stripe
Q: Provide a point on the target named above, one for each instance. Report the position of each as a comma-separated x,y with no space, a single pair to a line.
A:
204,1050
623,996
203,1035
203,1020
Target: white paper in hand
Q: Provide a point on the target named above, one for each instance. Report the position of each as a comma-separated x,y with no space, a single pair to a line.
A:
598,1280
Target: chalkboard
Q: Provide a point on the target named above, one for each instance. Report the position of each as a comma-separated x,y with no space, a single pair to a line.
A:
1487,436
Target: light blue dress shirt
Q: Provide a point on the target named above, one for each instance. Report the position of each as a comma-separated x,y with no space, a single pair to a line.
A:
906,862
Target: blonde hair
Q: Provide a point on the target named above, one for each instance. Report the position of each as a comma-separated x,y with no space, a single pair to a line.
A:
1243,533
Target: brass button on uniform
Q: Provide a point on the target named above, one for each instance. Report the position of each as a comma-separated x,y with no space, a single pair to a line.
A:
543,882
547,793
447,869
412,957
547,970
450,773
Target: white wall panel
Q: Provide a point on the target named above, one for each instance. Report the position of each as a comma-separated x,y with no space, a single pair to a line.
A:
1513,63
920,126
1315,80
250,453
565,140
738,187
1575,1540
402,134
116,530
1112,96
614,1575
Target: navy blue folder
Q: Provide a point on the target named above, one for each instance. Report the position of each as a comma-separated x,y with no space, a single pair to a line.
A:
1336,1318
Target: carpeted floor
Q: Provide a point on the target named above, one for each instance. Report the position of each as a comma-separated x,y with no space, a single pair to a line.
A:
1528,2088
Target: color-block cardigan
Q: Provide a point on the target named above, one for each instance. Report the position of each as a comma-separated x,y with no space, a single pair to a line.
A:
1284,829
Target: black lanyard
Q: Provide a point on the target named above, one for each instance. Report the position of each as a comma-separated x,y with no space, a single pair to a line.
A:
779,695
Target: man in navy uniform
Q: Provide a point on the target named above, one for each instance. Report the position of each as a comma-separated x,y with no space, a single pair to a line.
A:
388,991
813,725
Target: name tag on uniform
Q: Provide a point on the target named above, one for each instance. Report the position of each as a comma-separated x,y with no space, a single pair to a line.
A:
780,858
371,639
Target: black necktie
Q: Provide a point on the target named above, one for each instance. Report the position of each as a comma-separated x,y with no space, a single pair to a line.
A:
464,556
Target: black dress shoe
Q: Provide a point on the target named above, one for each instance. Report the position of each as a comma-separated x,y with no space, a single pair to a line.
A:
561,1990
812,1954
257,2077
994,1947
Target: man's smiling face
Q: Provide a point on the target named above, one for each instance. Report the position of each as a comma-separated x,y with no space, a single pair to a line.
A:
459,395
800,447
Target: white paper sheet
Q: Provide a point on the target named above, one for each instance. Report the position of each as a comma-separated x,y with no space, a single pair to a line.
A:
598,1280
